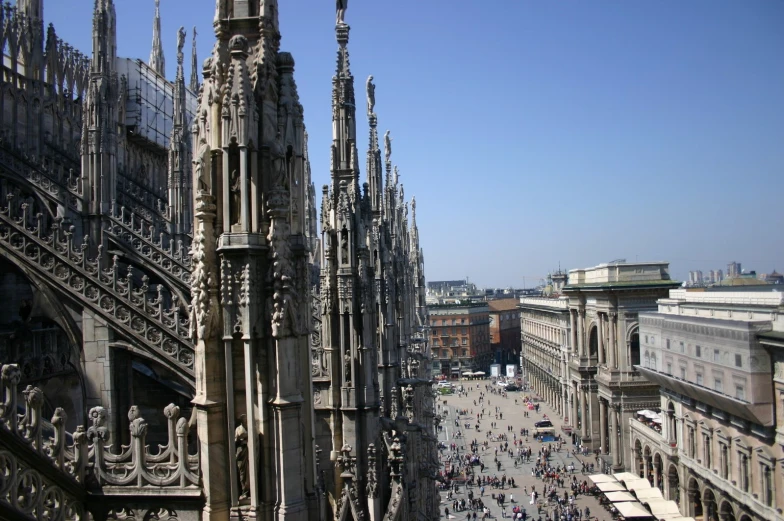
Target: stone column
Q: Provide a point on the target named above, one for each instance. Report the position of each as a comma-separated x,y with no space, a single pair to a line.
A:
584,412
616,436
600,334
613,430
573,330
602,425
613,346
574,406
580,325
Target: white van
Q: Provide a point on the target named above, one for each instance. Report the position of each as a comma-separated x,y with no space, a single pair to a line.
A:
443,384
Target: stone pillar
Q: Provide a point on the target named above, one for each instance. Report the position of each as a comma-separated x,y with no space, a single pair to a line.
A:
613,346
600,335
613,428
574,406
573,330
584,412
602,425
580,335
616,436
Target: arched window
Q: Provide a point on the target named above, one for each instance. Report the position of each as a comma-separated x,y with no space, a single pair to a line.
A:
634,349
653,361
647,359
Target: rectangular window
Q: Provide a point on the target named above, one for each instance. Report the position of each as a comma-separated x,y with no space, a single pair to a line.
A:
698,351
699,378
465,352
740,392
717,385
738,361
683,373
716,355
683,350
669,368
646,339
435,342
668,343
445,353
465,341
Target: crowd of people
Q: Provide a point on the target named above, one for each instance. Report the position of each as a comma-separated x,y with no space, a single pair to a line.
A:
465,465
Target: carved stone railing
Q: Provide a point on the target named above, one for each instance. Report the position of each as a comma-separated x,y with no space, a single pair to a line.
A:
157,247
141,199
43,476
55,185
128,309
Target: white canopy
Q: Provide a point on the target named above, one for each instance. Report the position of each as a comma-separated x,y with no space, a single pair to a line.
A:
637,484
681,519
660,507
611,487
648,414
625,475
618,497
479,373
630,509
602,478
468,373
648,493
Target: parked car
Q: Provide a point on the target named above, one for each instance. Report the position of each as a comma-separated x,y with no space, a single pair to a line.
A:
543,424
444,384
512,387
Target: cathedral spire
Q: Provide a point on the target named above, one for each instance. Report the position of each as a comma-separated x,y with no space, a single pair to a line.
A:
374,168
104,37
344,131
157,61
194,86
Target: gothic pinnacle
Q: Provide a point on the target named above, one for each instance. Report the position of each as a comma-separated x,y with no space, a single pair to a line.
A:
157,61
194,86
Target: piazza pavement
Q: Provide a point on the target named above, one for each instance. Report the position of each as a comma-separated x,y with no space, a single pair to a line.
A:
510,414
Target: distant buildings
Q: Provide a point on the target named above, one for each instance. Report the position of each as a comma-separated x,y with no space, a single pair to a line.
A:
716,276
505,341
717,359
695,278
734,269
460,338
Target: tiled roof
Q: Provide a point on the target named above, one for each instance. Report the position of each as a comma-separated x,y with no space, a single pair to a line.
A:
504,304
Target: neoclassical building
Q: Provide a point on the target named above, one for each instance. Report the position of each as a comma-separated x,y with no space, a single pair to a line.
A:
716,357
547,349
606,388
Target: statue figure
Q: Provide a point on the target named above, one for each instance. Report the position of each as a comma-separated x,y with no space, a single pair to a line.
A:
371,95
341,6
347,361
235,185
180,40
387,146
241,454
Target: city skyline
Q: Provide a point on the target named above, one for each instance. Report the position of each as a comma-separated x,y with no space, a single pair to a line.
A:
646,132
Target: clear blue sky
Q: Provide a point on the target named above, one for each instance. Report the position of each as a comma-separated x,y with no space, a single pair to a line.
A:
534,133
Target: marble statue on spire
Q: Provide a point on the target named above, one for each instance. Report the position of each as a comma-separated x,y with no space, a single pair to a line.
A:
340,7
371,95
387,146
180,43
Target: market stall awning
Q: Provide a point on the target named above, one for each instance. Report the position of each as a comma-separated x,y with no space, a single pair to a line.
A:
479,373
468,373
648,493
631,509
660,507
619,497
625,475
602,478
611,487
637,484
681,519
